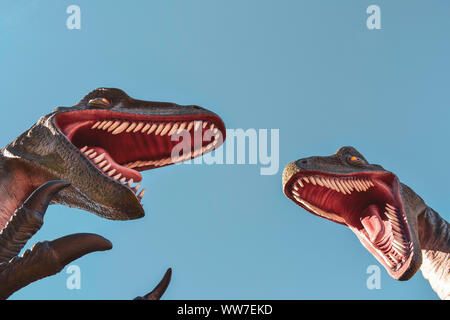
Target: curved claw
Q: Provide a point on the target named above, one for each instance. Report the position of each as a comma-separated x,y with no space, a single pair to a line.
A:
39,200
160,288
46,259
74,246
27,219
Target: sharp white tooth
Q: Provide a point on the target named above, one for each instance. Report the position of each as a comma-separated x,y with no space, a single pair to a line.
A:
84,149
96,125
338,183
121,128
344,185
181,128
313,181
138,127
100,126
396,225
391,211
123,180
394,258
114,125
130,182
102,164
205,123
107,125
390,215
399,246
333,184
174,128
295,187
362,185
391,206
351,183
160,127
306,179
300,182
357,186
295,193
365,184
117,176
197,125
367,181
348,185
92,156
141,194
319,181
131,127
152,128
145,128
89,152
326,183
190,125
110,173
166,128
398,251
106,167
99,158
298,199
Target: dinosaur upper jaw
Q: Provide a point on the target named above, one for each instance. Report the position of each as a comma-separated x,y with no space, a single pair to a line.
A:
113,147
370,204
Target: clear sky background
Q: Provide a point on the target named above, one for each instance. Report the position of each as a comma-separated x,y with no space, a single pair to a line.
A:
311,69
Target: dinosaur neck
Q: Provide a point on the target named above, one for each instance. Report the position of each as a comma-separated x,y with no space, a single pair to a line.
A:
434,237
17,182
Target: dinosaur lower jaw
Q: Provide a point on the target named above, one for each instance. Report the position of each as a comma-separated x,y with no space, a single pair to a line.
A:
121,145
368,203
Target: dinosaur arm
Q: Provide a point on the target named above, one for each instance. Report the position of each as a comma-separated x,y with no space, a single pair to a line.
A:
434,237
45,258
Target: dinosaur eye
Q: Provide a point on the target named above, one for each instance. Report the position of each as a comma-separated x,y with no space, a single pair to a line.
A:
99,103
355,160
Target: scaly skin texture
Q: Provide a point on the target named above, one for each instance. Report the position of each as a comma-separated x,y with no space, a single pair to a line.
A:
429,233
44,165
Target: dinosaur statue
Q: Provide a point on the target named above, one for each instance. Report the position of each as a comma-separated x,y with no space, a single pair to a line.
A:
392,222
88,156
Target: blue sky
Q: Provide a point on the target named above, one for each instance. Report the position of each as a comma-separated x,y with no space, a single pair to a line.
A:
311,69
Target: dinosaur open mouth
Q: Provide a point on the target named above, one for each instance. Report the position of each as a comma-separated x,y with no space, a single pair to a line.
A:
369,203
120,145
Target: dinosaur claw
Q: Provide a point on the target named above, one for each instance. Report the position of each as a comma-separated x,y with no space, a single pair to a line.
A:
47,258
74,246
160,288
39,200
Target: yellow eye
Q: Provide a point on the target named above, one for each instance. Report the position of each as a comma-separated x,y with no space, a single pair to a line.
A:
353,158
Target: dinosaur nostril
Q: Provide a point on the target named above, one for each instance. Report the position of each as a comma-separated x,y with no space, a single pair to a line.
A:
304,161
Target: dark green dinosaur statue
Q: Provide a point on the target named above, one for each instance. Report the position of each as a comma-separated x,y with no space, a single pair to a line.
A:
388,217
88,156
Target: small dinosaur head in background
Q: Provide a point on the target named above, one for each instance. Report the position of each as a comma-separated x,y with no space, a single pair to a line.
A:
372,202
103,143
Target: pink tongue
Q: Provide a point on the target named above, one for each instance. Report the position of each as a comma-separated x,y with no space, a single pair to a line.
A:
126,172
372,223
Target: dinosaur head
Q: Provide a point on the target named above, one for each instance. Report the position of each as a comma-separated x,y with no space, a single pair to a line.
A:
103,143
381,211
